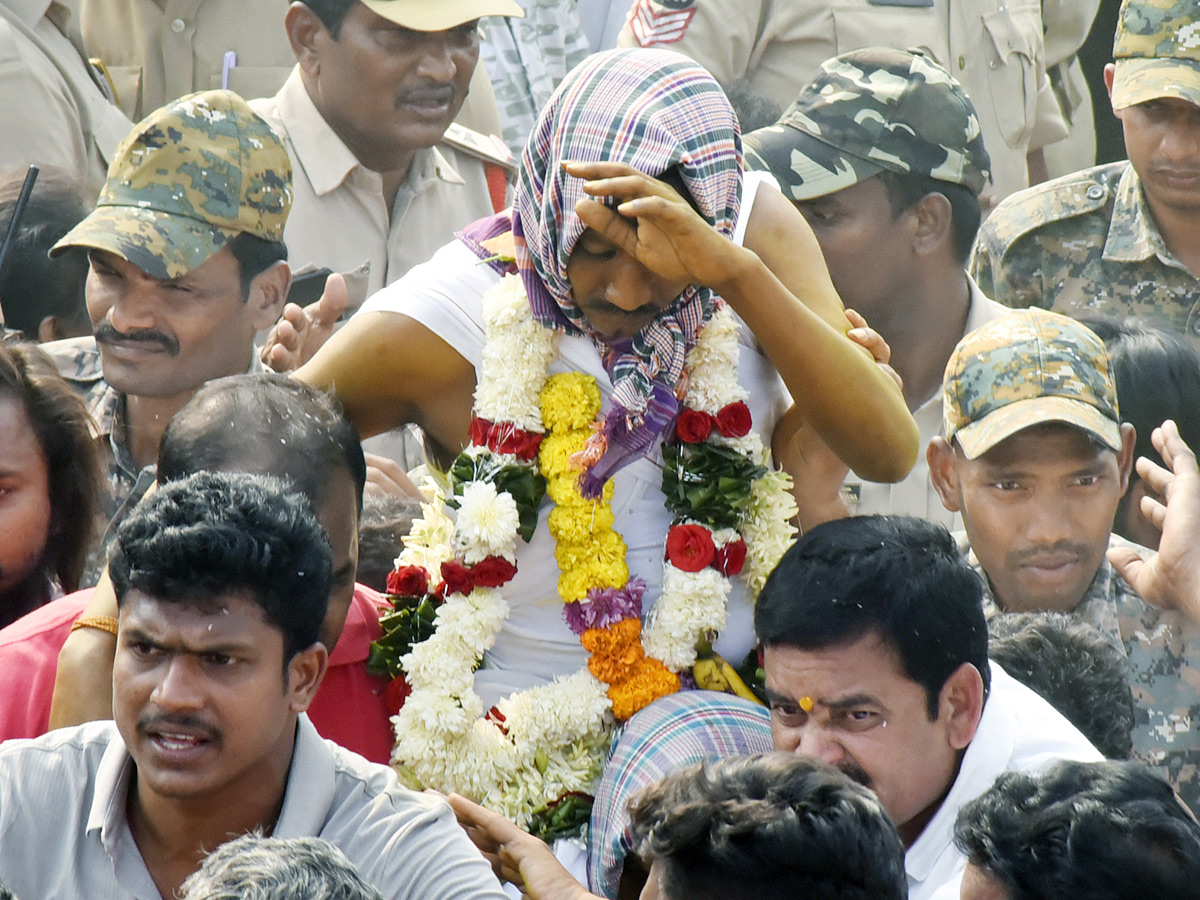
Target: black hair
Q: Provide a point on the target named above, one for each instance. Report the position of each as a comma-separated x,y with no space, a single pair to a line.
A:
288,428
254,256
896,576
331,13
754,111
75,479
198,539
37,286
773,825
1074,668
1104,831
1157,375
386,520
905,191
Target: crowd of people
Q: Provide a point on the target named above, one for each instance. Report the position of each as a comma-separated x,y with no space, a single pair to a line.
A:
677,449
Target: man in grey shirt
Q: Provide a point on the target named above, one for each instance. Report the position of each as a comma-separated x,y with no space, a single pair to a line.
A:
222,581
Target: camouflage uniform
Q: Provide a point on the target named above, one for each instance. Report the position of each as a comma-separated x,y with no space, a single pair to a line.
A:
870,111
1088,241
1032,367
527,58
1162,649
186,181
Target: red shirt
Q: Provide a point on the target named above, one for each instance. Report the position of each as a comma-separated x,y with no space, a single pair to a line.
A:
348,709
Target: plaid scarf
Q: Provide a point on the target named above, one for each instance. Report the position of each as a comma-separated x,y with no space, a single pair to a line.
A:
653,110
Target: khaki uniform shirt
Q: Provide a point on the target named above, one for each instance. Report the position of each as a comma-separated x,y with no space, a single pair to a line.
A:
57,109
159,50
993,47
1163,651
339,218
1086,243
915,495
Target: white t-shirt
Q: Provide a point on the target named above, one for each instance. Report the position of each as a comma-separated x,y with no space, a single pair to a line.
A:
535,643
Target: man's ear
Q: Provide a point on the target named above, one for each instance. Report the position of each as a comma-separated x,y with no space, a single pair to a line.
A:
268,294
943,472
305,672
1110,73
934,224
1125,456
960,704
304,30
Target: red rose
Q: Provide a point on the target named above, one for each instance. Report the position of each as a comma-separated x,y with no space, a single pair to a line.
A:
690,547
395,694
456,578
493,572
408,581
478,432
510,439
734,420
730,558
527,449
693,426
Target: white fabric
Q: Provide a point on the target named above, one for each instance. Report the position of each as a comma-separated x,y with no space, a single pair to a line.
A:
535,644
1018,732
64,834
915,495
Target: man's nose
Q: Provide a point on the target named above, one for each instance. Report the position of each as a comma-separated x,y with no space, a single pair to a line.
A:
631,285
179,688
132,309
815,743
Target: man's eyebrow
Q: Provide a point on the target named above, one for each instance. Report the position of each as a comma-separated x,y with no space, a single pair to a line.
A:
850,702
776,697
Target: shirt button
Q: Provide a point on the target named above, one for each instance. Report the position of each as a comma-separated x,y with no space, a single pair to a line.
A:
1095,192
178,25
1196,326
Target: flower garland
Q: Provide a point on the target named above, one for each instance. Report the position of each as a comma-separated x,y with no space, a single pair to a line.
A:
533,434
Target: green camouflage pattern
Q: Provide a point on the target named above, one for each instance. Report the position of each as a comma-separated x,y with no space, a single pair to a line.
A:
527,58
1086,243
868,111
1162,648
1157,51
189,178
1024,369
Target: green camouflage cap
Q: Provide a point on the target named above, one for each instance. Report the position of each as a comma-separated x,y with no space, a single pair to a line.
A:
1157,52
188,179
1023,369
867,111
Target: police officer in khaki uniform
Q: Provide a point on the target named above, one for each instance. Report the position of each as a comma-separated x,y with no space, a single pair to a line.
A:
57,108
993,47
382,177
1121,238
158,50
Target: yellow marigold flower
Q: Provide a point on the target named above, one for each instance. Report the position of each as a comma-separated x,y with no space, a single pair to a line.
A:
569,400
574,584
554,456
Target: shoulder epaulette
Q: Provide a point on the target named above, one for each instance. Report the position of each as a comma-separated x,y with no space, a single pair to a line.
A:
488,148
1052,201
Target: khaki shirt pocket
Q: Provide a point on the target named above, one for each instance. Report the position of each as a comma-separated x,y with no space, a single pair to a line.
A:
127,84
902,28
1014,58
252,82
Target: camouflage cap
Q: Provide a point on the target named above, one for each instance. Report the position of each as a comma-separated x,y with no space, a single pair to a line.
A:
868,111
440,15
1023,369
188,179
1157,52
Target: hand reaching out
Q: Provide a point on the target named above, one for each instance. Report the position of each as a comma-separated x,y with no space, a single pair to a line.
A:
1170,577
300,332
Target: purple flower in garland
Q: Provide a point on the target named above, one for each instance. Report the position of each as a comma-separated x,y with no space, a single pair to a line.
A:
604,607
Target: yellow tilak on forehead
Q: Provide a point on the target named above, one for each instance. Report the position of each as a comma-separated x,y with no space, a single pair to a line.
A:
807,704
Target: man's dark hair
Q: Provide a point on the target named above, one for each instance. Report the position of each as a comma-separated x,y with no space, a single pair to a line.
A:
255,255
269,422
1074,668
1101,831
198,539
75,480
1157,374
331,13
774,825
896,576
37,286
385,521
905,191
754,111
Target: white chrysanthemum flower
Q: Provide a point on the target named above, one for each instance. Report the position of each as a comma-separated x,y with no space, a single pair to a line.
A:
692,605
712,365
429,541
515,358
767,526
487,523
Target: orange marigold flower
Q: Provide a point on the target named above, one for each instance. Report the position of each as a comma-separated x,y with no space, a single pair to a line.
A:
648,681
614,650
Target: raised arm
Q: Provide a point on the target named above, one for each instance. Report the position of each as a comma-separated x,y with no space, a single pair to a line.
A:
779,285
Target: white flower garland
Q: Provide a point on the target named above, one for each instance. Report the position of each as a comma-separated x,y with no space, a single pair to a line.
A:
550,740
